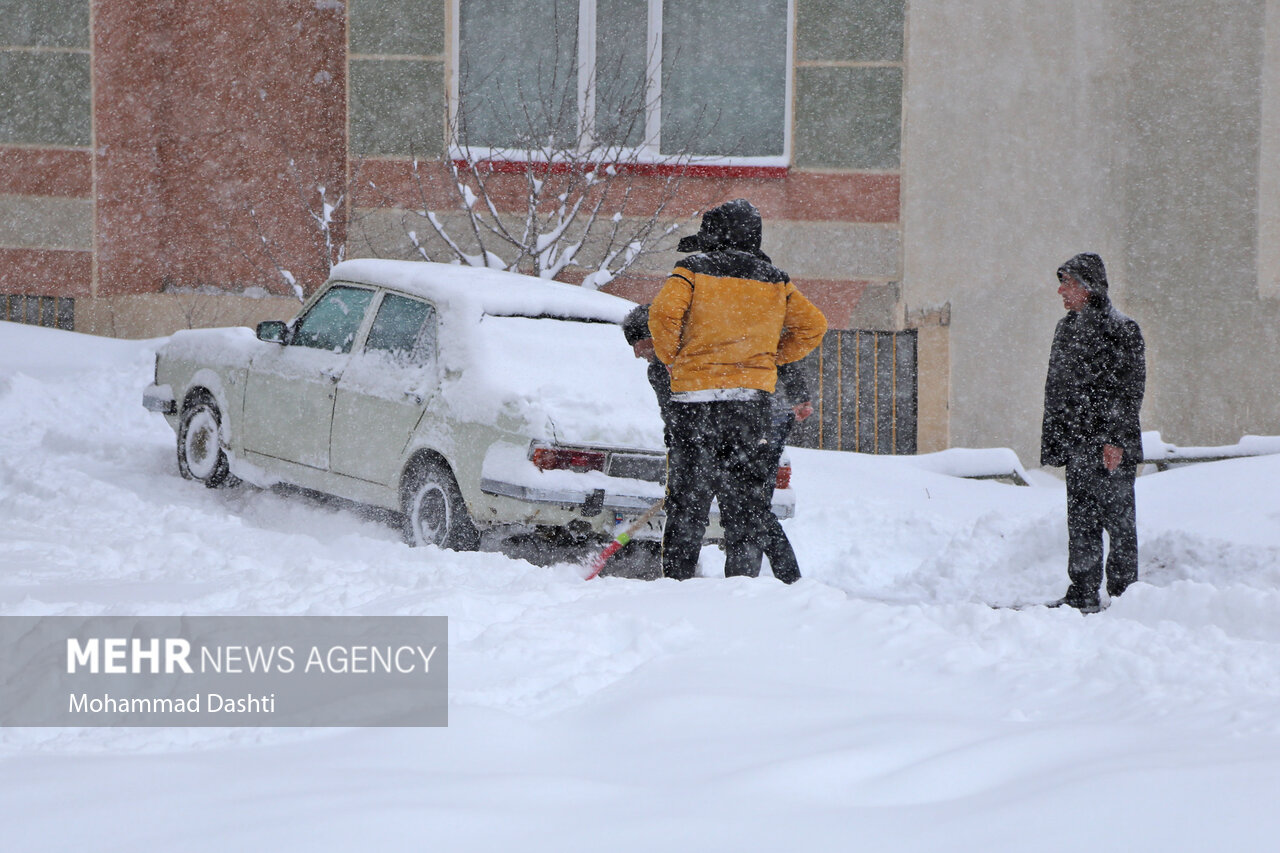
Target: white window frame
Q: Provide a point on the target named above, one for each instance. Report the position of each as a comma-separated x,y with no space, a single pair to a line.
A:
649,151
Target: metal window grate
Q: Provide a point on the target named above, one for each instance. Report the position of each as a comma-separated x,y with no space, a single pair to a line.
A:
55,312
864,388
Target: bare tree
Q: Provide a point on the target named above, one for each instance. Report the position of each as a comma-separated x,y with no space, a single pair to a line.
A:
568,188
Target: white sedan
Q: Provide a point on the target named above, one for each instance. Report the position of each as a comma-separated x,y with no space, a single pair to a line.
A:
462,398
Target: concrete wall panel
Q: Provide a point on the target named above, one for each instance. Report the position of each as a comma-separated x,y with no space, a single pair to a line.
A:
850,30
848,118
33,222
397,27
45,23
45,97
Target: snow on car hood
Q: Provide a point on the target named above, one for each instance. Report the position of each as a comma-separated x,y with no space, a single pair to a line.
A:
231,345
572,381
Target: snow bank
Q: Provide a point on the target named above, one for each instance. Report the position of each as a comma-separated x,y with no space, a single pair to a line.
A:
879,702
978,463
1156,449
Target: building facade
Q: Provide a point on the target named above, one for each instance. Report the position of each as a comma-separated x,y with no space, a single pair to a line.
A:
922,168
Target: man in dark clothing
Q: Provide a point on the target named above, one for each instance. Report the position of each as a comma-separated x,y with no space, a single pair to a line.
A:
724,320
635,328
783,414
1093,392
791,403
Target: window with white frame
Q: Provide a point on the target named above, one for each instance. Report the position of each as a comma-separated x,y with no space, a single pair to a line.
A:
707,80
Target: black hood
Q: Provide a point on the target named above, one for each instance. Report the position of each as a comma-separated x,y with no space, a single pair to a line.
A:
733,225
1088,268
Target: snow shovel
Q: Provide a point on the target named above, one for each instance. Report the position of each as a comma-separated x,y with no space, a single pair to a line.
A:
622,539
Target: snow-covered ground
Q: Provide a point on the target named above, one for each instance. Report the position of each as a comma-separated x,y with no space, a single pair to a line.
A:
880,704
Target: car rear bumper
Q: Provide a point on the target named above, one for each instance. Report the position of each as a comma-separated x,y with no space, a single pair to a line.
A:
601,499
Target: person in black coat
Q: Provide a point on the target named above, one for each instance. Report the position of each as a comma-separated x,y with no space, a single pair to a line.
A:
790,403
1093,392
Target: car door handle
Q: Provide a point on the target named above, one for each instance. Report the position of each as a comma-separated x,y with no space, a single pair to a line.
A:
414,396
332,375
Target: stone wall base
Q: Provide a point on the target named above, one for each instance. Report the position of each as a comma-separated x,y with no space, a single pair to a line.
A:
155,315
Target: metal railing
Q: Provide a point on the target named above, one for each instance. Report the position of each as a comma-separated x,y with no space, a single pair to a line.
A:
864,388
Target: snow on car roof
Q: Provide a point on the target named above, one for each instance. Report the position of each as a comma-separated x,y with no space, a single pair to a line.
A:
486,291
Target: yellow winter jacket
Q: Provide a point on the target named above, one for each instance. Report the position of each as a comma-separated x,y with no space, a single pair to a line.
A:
727,319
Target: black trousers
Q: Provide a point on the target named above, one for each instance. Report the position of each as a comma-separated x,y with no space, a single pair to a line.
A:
718,450
1098,500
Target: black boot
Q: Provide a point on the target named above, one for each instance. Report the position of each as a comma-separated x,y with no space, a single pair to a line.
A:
1085,602
1116,588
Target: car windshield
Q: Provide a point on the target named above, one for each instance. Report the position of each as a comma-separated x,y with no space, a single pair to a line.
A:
332,322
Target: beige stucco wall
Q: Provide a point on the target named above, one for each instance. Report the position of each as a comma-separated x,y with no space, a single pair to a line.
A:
1269,160
1191,182
1034,131
1006,174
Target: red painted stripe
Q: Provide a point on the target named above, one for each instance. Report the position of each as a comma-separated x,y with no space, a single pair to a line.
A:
66,173
783,194
516,167
45,272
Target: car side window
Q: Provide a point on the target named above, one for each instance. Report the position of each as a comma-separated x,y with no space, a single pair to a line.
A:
332,322
404,330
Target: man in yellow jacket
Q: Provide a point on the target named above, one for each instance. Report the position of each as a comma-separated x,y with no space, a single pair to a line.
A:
722,323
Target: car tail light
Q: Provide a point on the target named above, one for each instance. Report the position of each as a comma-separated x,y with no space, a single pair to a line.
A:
574,459
783,480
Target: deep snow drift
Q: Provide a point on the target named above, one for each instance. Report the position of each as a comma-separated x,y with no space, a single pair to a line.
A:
879,704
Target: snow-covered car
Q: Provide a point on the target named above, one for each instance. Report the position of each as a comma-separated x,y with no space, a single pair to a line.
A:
462,398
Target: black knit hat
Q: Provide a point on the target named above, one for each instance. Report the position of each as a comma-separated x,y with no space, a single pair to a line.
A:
635,326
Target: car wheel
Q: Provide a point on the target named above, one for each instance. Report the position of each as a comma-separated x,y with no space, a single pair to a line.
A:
435,513
200,453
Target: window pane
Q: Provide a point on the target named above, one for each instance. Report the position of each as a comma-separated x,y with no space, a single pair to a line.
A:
404,329
622,37
332,322
724,77
517,73
67,314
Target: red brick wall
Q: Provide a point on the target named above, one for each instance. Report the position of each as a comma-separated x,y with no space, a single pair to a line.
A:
199,105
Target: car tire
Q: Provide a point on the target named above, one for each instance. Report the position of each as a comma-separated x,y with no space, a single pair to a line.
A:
200,453
434,511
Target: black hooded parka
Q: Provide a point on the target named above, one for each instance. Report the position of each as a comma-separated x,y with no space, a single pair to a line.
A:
1097,376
